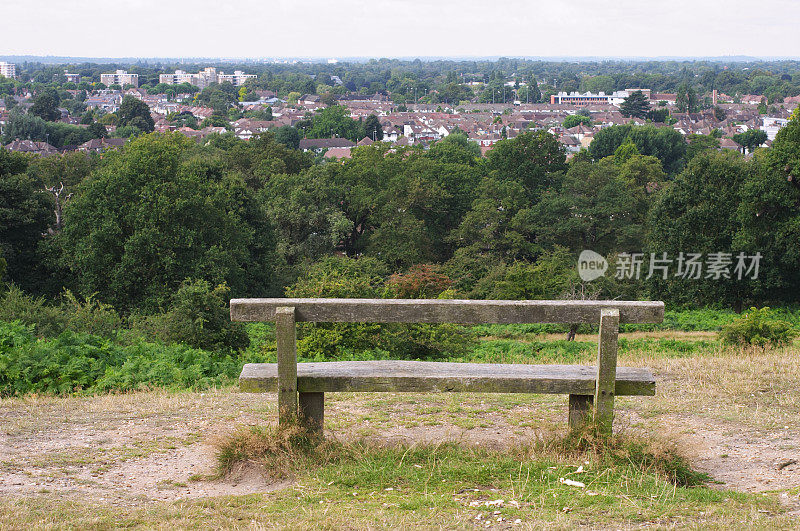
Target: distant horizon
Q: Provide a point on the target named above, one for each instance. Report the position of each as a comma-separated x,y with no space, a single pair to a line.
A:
53,58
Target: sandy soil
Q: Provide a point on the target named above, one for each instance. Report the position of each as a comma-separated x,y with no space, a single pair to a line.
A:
144,447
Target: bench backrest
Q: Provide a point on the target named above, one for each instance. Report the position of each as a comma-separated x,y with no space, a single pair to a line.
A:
445,311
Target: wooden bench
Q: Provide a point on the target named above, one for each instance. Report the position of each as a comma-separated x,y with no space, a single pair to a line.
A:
591,389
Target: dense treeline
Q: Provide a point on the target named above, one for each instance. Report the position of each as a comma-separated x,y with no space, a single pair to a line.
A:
257,216
446,80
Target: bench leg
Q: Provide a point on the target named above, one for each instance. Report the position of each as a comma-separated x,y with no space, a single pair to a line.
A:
312,412
285,334
605,387
580,410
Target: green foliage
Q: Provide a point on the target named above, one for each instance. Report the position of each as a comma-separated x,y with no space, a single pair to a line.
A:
598,206
135,113
664,143
750,139
45,105
697,214
57,134
635,105
288,136
87,364
659,115
699,144
70,313
757,329
26,212
686,100
335,121
531,159
365,278
373,128
198,317
576,119
770,222
154,212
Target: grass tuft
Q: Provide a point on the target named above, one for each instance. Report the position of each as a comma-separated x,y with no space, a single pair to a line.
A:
278,451
648,456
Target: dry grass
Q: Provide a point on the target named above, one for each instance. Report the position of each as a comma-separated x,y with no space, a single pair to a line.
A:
132,460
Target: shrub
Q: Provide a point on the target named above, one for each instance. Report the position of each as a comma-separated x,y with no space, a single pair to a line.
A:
365,278
45,320
757,329
87,315
85,363
198,317
421,281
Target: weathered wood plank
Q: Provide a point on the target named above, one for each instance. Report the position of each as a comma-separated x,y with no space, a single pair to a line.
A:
606,370
580,409
312,412
285,333
426,376
445,311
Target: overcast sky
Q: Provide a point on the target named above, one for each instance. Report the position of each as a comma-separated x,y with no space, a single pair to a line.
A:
399,28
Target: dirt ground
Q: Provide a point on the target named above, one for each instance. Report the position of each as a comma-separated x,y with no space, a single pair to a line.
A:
137,448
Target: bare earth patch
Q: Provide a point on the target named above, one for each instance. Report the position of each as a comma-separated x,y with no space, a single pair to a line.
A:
736,418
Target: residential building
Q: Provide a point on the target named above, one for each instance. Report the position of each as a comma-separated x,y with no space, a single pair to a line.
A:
772,125
121,78
8,69
72,78
588,98
177,78
237,79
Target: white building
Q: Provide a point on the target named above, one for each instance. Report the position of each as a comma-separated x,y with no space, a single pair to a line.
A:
237,79
8,69
121,78
202,79
771,126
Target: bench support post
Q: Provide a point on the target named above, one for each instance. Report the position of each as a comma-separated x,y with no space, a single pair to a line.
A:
312,412
287,365
580,410
605,386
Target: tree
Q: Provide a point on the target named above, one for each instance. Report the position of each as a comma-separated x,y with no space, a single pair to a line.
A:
659,115
135,113
635,105
153,215
575,119
697,213
700,143
288,136
45,105
686,99
531,159
335,121
664,143
597,207
769,216
373,128
26,212
98,130
750,139
456,148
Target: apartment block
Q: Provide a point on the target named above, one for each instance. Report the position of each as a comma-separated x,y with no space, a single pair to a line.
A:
121,78
236,79
8,69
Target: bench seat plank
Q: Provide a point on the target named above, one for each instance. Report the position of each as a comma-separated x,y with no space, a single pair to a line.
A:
427,376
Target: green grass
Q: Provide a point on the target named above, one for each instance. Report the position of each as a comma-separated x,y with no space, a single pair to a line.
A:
355,485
